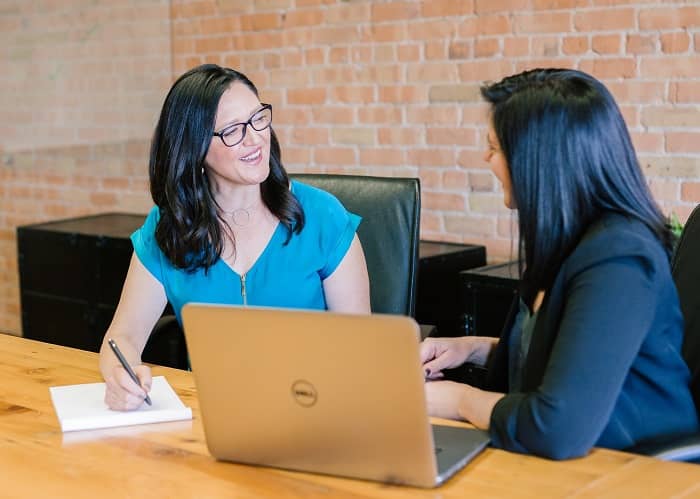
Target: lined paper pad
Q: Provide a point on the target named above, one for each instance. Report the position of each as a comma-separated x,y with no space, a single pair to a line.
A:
82,407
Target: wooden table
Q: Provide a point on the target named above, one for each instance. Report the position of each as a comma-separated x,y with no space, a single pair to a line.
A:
171,459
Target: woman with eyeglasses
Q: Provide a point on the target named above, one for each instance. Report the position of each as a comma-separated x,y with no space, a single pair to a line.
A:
228,225
592,354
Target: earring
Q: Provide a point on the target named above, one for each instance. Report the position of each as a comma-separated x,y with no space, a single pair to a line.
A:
202,171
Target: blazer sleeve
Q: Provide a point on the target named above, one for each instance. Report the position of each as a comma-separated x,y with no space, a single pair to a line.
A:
608,311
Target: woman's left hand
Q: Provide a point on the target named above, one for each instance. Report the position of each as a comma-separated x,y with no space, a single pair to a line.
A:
444,398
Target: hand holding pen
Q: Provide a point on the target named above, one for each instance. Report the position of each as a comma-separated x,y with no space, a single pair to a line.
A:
122,397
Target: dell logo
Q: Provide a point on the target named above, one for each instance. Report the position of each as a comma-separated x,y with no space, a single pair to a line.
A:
304,393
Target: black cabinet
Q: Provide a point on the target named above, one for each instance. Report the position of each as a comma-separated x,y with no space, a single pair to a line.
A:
438,299
487,294
71,273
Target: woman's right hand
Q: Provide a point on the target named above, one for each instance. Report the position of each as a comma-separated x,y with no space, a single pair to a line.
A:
122,393
437,354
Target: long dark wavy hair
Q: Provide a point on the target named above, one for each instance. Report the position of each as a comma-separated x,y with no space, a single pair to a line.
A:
570,159
190,228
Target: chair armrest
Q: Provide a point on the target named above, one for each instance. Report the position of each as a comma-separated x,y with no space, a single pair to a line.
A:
685,448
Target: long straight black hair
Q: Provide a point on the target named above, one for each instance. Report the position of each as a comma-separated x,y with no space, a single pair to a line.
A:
570,159
189,231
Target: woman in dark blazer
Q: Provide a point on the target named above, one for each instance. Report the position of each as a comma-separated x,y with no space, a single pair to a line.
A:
591,354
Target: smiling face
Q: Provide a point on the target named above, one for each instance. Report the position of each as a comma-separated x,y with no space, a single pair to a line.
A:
499,166
248,162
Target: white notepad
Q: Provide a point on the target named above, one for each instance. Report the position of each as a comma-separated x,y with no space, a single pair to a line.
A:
82,407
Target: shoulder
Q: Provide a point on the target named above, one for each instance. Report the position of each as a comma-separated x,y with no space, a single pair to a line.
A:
314,199
615,237
147,230
153,216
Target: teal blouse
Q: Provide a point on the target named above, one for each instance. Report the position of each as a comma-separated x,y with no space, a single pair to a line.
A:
285,275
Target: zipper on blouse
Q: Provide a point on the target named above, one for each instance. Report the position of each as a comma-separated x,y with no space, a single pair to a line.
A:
244,294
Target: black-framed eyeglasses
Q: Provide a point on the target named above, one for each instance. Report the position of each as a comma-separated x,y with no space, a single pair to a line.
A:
234,134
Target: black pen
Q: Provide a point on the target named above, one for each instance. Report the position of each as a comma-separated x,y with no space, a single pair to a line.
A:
126,365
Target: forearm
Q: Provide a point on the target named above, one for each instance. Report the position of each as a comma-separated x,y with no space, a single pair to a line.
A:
477,405
483,347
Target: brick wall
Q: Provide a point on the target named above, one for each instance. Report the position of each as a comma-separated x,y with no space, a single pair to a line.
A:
370,87
80,90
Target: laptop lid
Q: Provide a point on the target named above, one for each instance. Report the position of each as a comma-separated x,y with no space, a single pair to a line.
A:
313,391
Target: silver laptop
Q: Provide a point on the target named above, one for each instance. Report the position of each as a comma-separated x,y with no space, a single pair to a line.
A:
322,392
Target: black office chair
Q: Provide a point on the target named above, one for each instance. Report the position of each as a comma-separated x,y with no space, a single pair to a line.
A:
389,233
686,274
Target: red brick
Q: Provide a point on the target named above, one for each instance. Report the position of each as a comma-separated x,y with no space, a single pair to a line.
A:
456,179
296,18
255,22
690,191
408,53
382,74
348,13
379,114
685,91
431,72
382,157
558,4
632,91
670,66
458,136
664,190
669,18
381,33
442,29
641,44
647,142
103,199
314,56
344,156
575,45
444,8
684,142
403,93
432,115
484,70
607,44
672,43
309,136
362,94
339,55
546,22
296,155
487,47
442,201
545,46
516,46
491,6
429,222
337,35
400,136
605,19
394,11
460,49
485,25
431,156
334,115
610,67
306,96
